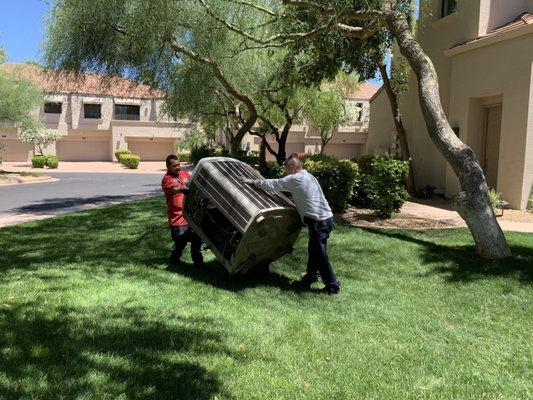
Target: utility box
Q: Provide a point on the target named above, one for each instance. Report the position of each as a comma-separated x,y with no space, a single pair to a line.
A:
245,227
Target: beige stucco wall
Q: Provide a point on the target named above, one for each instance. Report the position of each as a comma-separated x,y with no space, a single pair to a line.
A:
527,188
73,126
497,68
511,81
381,127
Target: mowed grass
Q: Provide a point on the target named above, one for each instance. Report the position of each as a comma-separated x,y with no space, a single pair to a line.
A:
88,310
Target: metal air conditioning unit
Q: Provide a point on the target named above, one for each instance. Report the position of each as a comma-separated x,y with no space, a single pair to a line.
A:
245,227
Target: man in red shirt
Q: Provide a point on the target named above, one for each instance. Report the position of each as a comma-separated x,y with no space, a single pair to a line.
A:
173,185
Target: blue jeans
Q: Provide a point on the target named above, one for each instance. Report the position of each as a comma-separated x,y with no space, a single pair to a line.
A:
317,249
181,235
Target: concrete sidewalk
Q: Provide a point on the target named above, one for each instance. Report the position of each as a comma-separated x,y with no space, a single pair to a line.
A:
145,167
442,212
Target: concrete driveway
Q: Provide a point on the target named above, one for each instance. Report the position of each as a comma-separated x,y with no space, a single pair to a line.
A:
73,192
145,167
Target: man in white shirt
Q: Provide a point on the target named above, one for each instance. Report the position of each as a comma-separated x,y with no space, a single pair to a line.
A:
315,213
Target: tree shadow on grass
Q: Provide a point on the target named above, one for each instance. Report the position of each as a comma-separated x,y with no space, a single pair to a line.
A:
214,274
128,239
461,264
108,353
52,205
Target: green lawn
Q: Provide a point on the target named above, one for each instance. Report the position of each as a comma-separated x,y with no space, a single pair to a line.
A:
88,310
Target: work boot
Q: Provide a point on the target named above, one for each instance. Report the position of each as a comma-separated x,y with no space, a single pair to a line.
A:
309,279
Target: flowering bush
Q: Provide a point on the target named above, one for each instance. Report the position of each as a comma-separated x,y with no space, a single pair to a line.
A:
39,137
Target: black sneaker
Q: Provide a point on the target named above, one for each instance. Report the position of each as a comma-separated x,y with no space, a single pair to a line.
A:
199,264
330,289
308,279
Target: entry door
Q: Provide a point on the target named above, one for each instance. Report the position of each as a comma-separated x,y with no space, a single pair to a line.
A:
491,144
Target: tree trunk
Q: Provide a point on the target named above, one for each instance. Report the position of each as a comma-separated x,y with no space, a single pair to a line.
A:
235,146
404,146
322,147
282,152
473,202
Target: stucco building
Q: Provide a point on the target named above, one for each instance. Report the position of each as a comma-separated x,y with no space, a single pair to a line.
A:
483,55
348,140
96,115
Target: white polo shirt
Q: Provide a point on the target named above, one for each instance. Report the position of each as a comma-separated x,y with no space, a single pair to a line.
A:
306,194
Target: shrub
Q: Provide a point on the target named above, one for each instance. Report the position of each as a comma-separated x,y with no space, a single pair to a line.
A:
364,163
120,153
495,198
385,187
184,156
203,151
52,162
317,157
336,177
1,148
221,152
130,160
272,170
249,159
38,161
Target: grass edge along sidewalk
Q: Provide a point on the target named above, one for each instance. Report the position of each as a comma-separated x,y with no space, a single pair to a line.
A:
89,310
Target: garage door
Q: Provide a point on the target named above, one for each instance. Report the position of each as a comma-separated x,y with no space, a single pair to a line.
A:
15,150
83,150
151,150
344,151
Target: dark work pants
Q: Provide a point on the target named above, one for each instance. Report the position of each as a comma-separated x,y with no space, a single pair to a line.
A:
317,249
181,235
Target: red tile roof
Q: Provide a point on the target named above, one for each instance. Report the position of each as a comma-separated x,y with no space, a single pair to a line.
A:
522,20
364,91
86,83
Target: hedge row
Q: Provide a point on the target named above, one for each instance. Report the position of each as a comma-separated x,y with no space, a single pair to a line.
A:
130,161
40,161
373,181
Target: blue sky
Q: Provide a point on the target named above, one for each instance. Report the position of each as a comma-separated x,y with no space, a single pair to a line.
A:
22,29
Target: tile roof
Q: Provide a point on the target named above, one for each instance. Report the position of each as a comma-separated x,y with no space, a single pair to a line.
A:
87,83
522,20
364,91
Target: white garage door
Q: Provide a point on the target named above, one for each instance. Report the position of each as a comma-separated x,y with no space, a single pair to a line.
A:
151,150
344,151
83,150
15,150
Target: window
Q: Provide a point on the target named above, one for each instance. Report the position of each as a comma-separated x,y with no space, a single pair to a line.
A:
359,112
448,7
92,111
127,112
52,108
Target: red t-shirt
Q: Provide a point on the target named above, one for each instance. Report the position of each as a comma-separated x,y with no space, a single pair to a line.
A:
175,201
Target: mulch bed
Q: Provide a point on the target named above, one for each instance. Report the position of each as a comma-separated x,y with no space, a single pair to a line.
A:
364,217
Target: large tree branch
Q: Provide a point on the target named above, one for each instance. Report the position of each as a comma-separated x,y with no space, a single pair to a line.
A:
222,79
357,32
271,41
341,15
257,7
271,126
